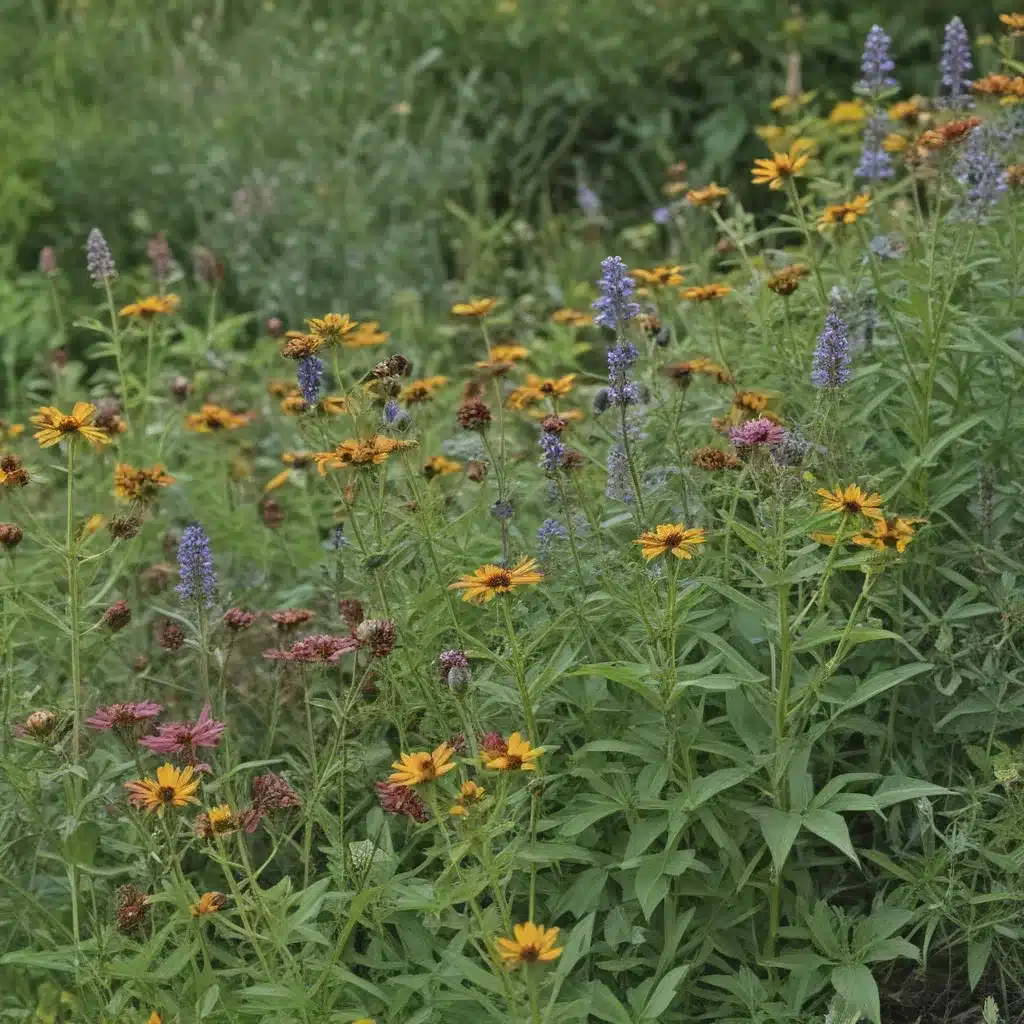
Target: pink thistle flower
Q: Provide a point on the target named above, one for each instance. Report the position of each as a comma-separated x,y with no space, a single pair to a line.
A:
183,738
401,800
319,649
754,432
124,717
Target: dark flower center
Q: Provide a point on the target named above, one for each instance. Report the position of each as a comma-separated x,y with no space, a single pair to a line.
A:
673,540
547,387
853,507
166,794
514,761
499,581
68,425
529,953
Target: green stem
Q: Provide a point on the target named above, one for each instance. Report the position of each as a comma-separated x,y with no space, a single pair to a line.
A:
517,662
115,334
794,199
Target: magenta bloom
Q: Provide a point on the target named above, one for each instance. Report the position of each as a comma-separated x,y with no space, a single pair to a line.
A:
759,431
319,649
124,717
182,738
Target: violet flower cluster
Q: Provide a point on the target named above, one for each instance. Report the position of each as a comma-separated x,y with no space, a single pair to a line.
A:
310,372
98,259
875,164
955,66
615,306
830,364
875,63
195,567
982,174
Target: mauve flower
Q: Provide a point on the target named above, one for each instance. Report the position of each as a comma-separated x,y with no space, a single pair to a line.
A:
238,619
756,432
319,649
183,738
401,800
271,792
124,717
454,668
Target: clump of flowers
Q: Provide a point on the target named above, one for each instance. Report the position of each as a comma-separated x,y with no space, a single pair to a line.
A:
319,649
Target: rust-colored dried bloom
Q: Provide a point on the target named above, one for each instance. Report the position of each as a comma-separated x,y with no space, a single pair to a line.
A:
117,616
573,459
171,638
787,280
143,484
474,414
275,326
289,619
713,459
318,649
397,799
237,620
124,527
40,725
705,293
271,513
393,366
476,470
950,134
212,418
351,610
12,473
999,85
1014,175
132,909
271,792
378,635
553,424
299,345
10,535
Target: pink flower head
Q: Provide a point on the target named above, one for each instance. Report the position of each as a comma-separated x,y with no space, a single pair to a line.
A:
183,738
319,649
401,800
759,431
124,717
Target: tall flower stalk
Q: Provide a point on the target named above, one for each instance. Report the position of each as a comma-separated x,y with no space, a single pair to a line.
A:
103,271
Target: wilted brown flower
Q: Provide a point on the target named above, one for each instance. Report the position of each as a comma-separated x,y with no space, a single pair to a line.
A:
172,637
289,619
787,280
124,527
713,459
474,414
40,725
159,253
950,134
275,326
553,424
351,610
393,366
573,459
237,620
117,616
376,634
132,909
207,268
180,387
476,470
218,821
271,513
12,473
1014,175
397,799
10,535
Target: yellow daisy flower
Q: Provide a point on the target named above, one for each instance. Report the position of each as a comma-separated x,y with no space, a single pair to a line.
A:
172,787
706,196
209,903
851,501
532,944
469,793
678,538
54,425
844,213
481,585
475,307
413,769
776,170
519,756
151,306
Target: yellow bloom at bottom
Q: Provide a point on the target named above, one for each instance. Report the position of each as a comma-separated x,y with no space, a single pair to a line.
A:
886,534
412,769
533,943
154,1018
469,793
518,756
209,903
678,538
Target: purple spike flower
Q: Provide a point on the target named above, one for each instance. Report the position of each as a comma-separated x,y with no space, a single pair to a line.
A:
955,65
661,215
830,367
620,485
876,63
98,259
979,169
554,451
875,163
195,567
550,531
615,305
310,371
620,390
589,201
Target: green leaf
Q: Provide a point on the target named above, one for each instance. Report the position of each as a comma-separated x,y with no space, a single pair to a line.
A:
664,991
779,829
856,984
882,681
207,1001
605,1006
636,677
897,788
832,828
651,884
978,950
576,947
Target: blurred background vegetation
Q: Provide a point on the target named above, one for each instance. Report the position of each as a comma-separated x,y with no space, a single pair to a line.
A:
335,153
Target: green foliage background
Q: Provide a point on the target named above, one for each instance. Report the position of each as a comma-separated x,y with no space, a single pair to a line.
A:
139,116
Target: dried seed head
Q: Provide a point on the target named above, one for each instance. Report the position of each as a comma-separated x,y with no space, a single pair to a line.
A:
171,638
237,620
275,326
378,635
573,459
553,424
117,616
180,387
132,909
351,610
10,535
272,513
474,414
40,725
393,366
124,527
476,470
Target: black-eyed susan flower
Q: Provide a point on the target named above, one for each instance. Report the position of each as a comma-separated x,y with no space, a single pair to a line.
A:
209,903
515,755
679,539
787,280
475,307
844,213
1014,22
705,292
438,465
366,335
706,196
908,111
776,170
371,452
509,353
212,418
848,112
851,501
142,485
481,585
567,317
172,787
532,944
886,534
538,388
331,329
422,390
54,425
414,769
469,794
151,306
218,821
662,276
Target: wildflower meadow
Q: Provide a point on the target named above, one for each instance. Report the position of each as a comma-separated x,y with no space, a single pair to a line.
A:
629,632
